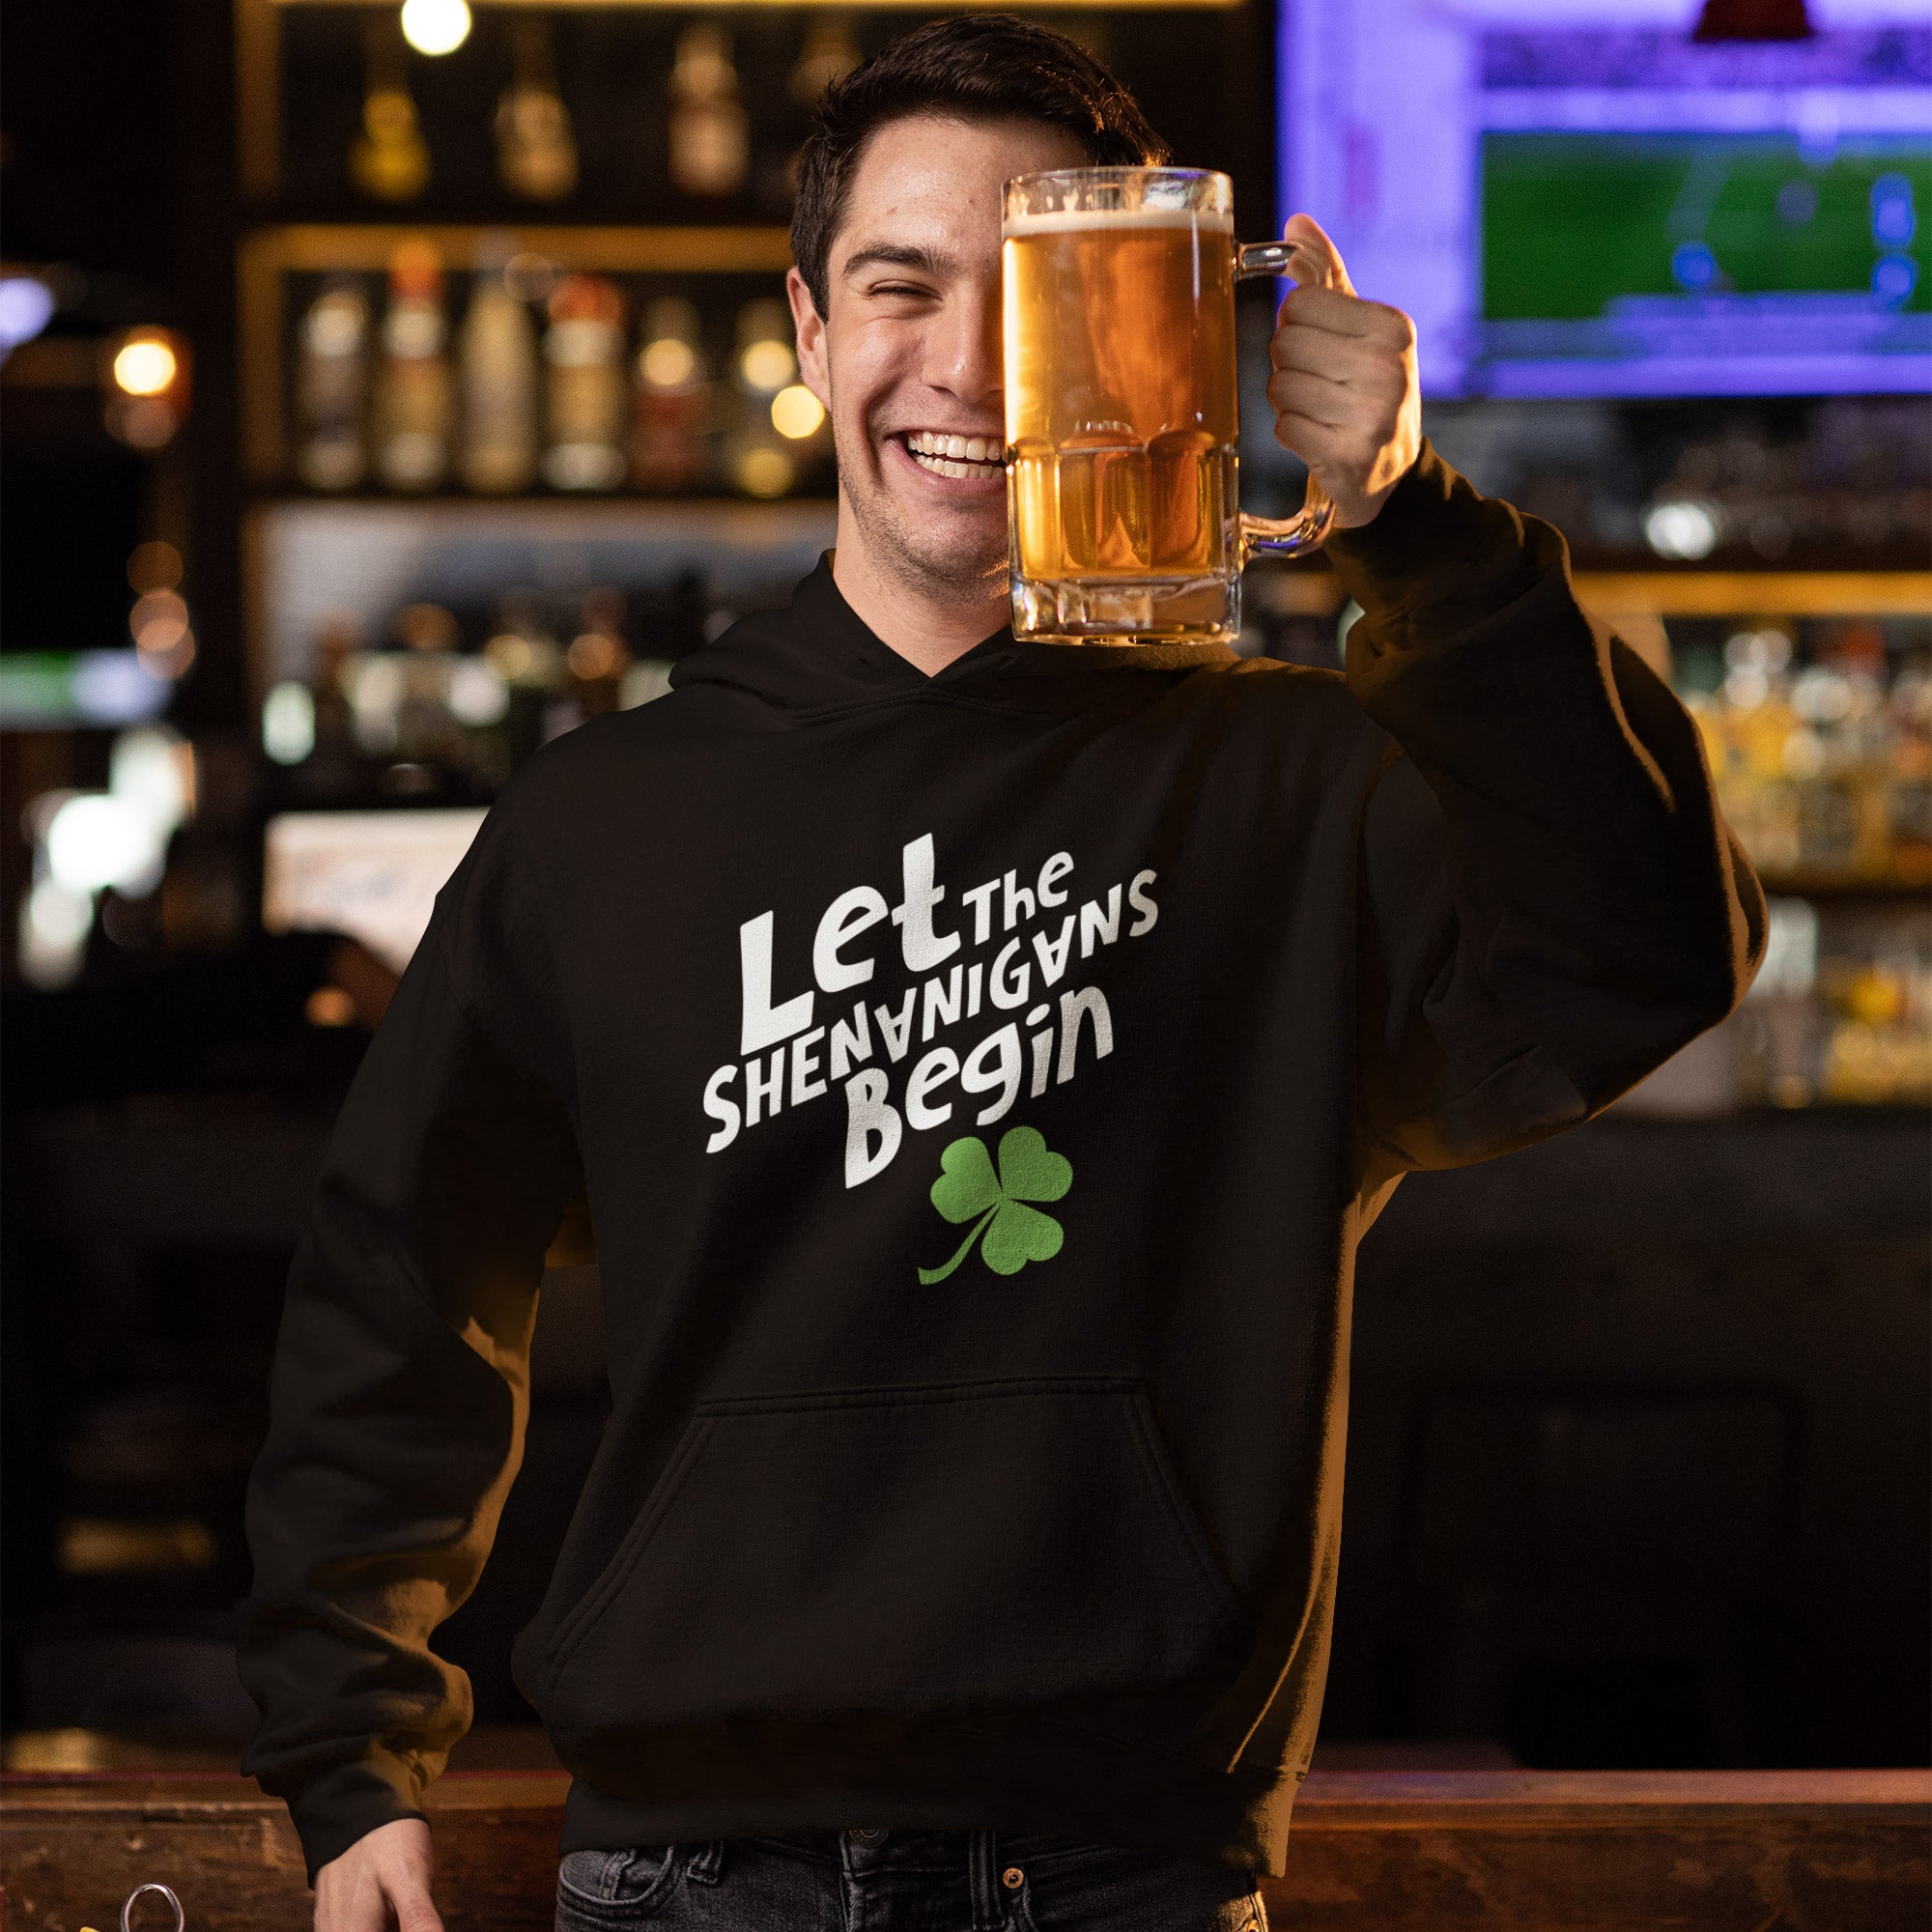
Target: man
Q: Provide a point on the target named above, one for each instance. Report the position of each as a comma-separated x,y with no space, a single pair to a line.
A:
980,1058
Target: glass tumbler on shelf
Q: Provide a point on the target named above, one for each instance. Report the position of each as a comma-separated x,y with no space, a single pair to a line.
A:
1120,404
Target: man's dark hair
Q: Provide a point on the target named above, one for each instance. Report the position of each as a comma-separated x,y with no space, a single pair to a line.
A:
978,67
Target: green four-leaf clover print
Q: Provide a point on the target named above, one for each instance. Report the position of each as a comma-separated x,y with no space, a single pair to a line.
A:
968,1190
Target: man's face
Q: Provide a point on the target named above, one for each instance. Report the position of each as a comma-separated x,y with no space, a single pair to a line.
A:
907,360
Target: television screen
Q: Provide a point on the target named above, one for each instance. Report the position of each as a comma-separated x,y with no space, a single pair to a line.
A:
1571,205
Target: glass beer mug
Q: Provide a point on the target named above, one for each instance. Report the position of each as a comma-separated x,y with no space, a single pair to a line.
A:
1120,415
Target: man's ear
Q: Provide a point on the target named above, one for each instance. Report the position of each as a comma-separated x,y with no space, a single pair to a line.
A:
809,327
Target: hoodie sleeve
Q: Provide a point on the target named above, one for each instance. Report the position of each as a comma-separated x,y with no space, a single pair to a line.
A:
400,1383
1553,904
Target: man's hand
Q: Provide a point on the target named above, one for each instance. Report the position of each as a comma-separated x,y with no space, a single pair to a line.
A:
381,1882
1344,390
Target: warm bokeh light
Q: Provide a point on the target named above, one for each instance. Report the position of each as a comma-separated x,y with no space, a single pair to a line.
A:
436,26
669,363
145,367
765,473
768,364
797,412
512,658
153,566
96,1547
174,661
148,423
329,1006
595,654
159,621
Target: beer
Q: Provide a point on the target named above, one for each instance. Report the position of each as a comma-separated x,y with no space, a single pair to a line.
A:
1120,421
1123,500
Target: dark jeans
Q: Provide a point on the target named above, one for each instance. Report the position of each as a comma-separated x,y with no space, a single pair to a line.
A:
867,1881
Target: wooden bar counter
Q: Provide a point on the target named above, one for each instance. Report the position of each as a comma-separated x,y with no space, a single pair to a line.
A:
1518,1851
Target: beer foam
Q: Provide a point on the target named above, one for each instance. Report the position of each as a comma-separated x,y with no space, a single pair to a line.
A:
1066,220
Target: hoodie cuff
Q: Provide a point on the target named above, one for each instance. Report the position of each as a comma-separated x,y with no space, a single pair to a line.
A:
1439,557
334,1808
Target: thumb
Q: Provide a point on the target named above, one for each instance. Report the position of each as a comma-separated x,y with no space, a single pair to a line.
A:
1312,239
408,1897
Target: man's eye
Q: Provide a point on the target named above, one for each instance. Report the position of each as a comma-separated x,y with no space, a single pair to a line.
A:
902,290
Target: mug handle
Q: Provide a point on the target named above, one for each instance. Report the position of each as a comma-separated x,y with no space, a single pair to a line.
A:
1286,536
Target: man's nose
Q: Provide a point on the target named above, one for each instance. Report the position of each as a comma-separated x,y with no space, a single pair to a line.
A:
964,350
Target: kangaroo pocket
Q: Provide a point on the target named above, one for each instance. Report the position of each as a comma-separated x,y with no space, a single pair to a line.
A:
985,1544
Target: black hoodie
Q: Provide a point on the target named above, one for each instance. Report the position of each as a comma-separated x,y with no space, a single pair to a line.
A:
978,1085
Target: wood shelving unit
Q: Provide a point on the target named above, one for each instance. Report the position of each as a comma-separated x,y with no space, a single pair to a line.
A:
1748,593
268,256
259,75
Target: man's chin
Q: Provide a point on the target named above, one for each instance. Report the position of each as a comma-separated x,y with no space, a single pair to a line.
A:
958,558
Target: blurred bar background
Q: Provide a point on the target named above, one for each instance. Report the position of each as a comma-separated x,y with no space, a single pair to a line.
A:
386,390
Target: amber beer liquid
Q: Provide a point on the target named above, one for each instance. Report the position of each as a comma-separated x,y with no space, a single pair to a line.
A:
1122,422
1120,404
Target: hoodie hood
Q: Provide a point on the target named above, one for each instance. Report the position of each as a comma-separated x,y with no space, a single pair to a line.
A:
817,657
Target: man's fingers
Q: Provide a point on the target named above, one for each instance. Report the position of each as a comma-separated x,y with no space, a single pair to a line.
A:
1340,449
413,1910
1343,358
407,1869
1321,445
1309,232
381,1884
1303,392
1337,314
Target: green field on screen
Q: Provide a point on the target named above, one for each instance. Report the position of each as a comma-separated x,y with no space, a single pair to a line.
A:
1572,222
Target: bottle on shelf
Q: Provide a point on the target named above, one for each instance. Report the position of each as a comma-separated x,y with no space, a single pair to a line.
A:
583,348
830,53
499,359
332,386
760,460
536,152
674,399
431,748
413,377
598,656
388,159
710,135
335,768
1823,765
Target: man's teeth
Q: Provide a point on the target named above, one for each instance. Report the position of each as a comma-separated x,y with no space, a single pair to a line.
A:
954,455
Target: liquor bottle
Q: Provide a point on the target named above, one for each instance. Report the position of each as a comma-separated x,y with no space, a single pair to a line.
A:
499,354
523,654
598,656
760,463
674,399
332,386
431,746
412,380
536,153
829,53
710,138
336,770
388,160
585,351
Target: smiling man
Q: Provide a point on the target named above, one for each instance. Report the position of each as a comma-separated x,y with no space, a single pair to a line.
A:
980,1058
897,310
